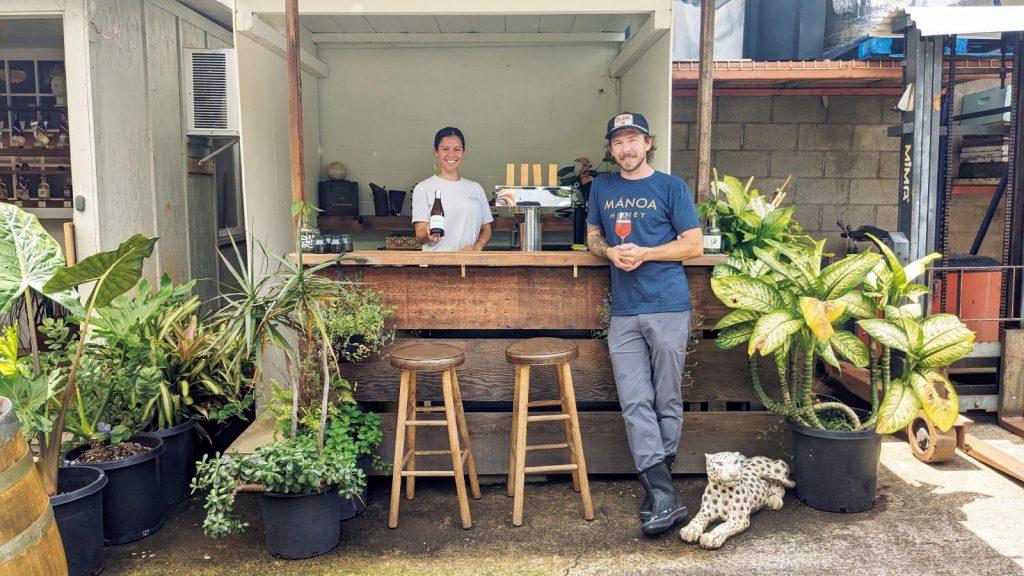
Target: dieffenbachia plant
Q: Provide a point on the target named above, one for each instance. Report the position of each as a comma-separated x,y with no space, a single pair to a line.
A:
787,307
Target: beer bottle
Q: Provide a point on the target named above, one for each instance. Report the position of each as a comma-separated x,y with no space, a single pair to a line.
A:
437,215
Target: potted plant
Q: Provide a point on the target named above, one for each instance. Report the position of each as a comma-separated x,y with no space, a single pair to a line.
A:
299,480
31,263
790,309
354,318
746,218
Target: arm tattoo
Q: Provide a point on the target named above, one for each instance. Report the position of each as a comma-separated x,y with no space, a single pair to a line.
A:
595,240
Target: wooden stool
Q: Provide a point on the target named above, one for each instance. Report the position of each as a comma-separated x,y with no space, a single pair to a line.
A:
536,352
431,358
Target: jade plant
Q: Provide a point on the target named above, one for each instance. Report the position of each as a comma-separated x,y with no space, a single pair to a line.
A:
788,308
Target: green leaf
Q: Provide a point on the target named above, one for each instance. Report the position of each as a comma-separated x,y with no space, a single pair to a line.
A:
886,332
776,221
733,190
839,278
771,331
945,339
824,350
858,305
746,293
819,315
791,274
9,351
897,277
914,291
737,317
917,267
851,348
734,335
938,398
29,257
115,272
898,408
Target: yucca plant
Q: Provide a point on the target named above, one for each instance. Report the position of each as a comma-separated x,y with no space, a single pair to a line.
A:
788,307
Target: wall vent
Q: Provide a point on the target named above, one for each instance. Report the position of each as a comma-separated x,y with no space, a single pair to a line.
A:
211,92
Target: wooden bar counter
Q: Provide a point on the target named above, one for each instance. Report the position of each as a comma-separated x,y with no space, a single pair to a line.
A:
486,298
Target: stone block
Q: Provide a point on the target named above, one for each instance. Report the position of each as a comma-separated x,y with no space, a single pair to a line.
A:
769,136
724,136
878,192
742,109
873,137
684,109
853,214
742,165
829,191
797,163
825,136
808,216
846,164
679,135
855,109
890,165
886,217
684,164
808,109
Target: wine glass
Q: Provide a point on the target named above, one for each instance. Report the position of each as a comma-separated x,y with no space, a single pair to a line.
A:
623,226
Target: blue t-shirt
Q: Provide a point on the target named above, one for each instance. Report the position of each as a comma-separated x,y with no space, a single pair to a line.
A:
661,208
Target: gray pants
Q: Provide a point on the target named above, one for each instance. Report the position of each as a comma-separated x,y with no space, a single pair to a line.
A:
648,352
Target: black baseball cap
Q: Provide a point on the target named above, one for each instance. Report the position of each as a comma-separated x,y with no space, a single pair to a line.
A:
627,120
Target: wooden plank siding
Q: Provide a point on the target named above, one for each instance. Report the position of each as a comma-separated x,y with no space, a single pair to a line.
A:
715,375
439,297
604,440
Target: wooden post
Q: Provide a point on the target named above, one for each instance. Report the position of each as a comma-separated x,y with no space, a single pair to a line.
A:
298,170
1011,382
707,65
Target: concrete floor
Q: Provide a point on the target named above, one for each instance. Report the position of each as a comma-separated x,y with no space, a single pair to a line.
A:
957,518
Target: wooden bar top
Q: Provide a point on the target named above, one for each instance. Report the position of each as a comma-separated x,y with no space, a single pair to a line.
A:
508,259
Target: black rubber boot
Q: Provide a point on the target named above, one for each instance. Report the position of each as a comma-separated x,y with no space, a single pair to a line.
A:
666,508
645,508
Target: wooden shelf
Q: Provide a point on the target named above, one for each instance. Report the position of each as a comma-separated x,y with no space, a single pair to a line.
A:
36,152
48,171
975,189
46,212
336,224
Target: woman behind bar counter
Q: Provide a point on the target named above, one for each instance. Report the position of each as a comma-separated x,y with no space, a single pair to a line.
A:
467,216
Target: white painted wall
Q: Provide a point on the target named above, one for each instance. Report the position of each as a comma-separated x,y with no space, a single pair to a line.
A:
263,92
647,89
380,108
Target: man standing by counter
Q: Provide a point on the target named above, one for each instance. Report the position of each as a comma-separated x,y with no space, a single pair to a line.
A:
650,306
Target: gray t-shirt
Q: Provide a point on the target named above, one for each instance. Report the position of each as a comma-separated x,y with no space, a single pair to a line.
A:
465,211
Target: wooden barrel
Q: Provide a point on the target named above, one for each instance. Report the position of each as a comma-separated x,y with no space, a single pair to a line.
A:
29,542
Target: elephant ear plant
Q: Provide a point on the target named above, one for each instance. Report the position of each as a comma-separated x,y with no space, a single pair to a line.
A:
787,307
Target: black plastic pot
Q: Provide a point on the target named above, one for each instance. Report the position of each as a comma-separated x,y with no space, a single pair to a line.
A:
78,509
178,462
133,505
352,507
835,471
221,434
301,525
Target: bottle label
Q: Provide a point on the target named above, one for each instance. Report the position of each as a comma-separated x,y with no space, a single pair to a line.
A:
436,222
713,242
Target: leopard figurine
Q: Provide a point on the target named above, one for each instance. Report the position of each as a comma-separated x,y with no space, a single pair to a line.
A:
737,487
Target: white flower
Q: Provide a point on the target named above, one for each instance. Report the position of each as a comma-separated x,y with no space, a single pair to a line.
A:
759,206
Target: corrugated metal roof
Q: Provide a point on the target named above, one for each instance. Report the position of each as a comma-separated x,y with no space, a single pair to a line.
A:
940,21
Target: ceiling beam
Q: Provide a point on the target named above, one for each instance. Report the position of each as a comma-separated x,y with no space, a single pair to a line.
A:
469,39
637,45
449,8
265,35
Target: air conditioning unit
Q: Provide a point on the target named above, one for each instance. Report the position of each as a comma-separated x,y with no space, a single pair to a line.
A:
211,92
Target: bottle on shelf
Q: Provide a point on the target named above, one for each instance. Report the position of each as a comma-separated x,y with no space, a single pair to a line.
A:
43,191
21,190
437,215
712,236
5,193
17,132
66,189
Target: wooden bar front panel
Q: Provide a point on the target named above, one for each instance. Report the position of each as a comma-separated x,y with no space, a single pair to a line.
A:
496,298
717,375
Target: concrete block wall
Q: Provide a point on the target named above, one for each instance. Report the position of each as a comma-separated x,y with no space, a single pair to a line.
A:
843,164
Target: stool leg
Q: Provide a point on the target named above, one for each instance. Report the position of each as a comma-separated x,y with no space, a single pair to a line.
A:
460,415
511,483
453,442
520,474
581,461
396,479
567,427
410,482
